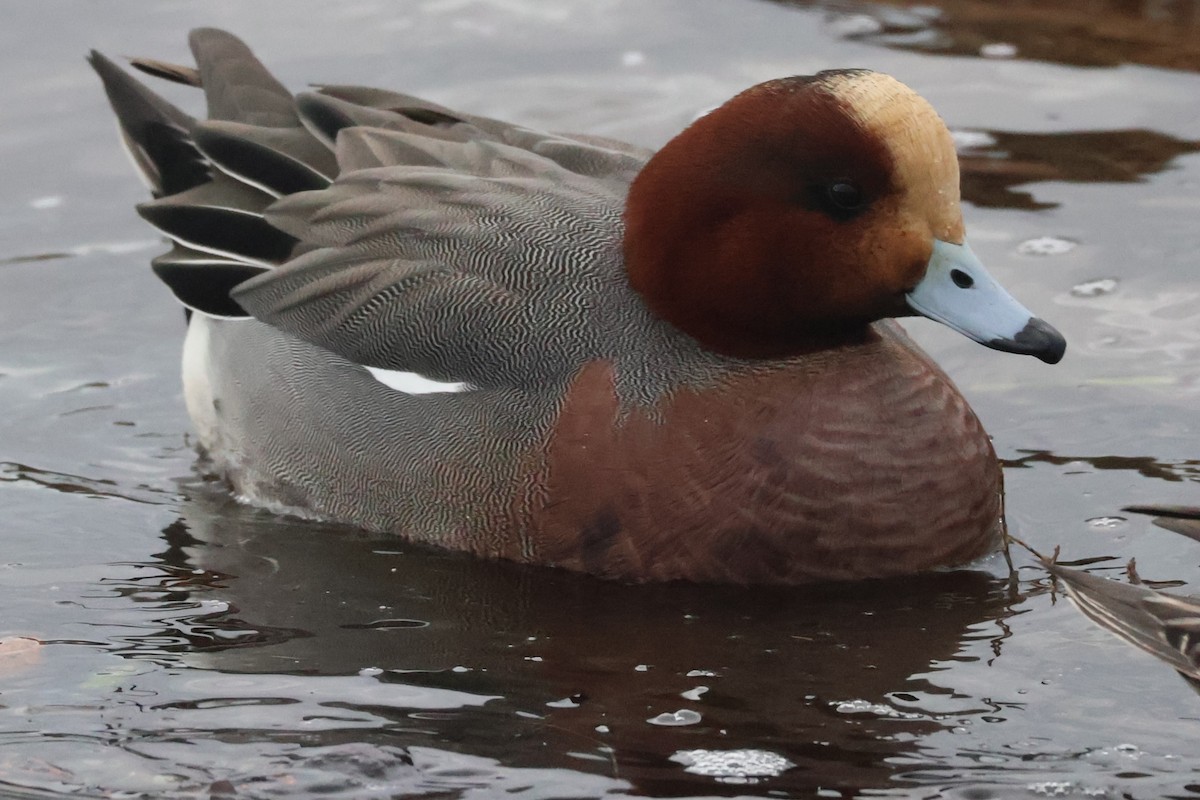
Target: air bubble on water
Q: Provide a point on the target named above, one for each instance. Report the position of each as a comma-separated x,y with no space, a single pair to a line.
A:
733,766
970,139
1046,246
867,707
684,716
854,25
998,50
1106,522
1096,288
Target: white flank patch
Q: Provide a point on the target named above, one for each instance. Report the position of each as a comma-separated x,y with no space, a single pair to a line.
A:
413,383
197,387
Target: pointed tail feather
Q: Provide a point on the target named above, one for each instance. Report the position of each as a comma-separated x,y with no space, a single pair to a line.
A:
213,179
155,133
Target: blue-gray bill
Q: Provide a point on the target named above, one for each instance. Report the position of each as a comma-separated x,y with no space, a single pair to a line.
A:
958,291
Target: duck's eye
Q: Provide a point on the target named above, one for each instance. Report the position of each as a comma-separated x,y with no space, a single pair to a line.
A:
841,198
844,196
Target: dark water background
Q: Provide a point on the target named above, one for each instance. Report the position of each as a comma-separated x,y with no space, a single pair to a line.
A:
178,645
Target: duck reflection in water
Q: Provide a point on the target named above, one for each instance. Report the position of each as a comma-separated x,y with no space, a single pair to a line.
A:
833,679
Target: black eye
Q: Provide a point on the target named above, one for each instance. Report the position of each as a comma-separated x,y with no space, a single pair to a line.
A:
839,198
844,196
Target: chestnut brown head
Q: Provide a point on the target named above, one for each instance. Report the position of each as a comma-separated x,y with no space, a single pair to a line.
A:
805,208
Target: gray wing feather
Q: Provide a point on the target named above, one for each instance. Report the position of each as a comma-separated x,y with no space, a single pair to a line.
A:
237,85
366,148
278,160
481,271
405,315
458,246
335,109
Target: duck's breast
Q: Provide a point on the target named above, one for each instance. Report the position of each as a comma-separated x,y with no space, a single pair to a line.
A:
862,461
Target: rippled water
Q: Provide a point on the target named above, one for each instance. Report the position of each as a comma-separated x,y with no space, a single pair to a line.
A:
158,640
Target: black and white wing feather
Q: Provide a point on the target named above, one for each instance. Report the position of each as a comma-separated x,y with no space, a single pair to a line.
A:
387,229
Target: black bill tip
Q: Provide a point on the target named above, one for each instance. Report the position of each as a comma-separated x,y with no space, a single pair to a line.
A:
1038,338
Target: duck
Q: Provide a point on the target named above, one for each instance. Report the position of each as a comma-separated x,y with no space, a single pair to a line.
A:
569,351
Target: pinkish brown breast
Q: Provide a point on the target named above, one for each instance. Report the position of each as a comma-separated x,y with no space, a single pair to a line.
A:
856,462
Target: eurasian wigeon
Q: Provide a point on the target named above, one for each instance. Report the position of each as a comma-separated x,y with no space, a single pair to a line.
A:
571,351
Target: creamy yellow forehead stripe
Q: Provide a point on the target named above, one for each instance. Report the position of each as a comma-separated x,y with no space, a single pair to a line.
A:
926,165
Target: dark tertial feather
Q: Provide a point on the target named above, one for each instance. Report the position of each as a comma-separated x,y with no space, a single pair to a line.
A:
221,216
205,286
278,160
154,131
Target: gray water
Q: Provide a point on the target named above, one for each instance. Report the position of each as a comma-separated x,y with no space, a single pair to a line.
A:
158,640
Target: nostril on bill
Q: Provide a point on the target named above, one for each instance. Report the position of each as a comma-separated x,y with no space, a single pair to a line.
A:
961,279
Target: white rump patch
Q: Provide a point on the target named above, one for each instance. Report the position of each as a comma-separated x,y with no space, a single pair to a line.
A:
413,383
197,383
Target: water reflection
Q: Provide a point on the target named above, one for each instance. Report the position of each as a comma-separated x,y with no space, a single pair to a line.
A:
1146,466
994,162
12,472
1184,520
833,679
1094,33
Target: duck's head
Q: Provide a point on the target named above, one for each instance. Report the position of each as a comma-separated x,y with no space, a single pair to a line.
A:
805,208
